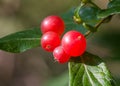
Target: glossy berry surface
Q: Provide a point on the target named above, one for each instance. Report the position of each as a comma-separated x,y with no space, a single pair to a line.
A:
60,55
50,40
52,23
74,43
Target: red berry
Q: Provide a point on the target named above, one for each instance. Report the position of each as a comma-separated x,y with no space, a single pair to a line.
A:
60,55
74,43
50,40
53,23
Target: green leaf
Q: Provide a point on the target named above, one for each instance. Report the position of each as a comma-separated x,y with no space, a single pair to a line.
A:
89,70
21,41
108,12
114,3
89,14
70,24
112,8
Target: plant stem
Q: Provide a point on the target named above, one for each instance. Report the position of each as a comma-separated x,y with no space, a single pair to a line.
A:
87,33
95,5
96,26
99,23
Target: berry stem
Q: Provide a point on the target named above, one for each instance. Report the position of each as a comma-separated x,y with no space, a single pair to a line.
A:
96,26
87,33
76,13
99,23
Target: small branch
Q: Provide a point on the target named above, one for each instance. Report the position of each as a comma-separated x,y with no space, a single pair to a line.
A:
98,24
87,33
95,5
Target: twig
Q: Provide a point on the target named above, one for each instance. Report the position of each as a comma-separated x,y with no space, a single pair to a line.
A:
95,5
99,23
87,33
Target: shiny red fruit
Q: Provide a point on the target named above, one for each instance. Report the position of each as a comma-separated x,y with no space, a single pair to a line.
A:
53,23
50,40
60,55
74,43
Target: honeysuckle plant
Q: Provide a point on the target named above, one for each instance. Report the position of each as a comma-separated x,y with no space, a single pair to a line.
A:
86,69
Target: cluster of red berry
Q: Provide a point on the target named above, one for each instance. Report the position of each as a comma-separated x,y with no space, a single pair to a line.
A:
73,43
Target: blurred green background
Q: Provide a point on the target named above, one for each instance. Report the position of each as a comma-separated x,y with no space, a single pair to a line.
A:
37,67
